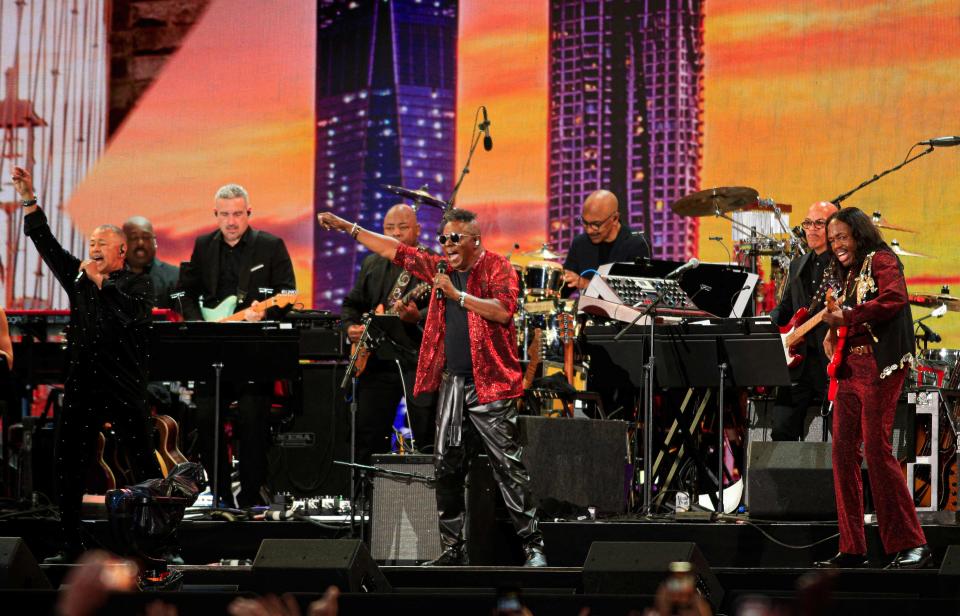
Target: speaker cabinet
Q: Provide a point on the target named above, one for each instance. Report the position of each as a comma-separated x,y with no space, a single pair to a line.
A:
303,449
638,568
580,461
18,567
404,523
791,480
311,565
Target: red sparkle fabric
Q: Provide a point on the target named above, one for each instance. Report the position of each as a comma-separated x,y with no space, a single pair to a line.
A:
493,348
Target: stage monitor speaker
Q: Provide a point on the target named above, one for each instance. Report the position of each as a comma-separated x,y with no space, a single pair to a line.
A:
404,522
580,461
18,567
311,565
300,458
791,480
638,568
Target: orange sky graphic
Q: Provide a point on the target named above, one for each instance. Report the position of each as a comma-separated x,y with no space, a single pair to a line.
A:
803,100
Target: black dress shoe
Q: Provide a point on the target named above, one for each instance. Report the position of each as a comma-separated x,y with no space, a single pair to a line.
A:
842,561
535,556
451,557
914,558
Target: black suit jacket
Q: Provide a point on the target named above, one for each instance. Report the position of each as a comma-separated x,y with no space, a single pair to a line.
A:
266,265
794,298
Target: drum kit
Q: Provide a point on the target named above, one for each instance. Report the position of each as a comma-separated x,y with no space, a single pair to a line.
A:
541,306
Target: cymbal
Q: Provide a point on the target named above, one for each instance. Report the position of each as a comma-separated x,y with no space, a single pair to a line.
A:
712,201
881,223
929,300
419,197
895,247
543,253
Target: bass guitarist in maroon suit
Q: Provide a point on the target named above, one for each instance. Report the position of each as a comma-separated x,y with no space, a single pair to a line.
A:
806,286
877,349
469,353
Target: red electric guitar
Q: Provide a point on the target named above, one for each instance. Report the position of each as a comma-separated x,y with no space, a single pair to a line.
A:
837,358
799,326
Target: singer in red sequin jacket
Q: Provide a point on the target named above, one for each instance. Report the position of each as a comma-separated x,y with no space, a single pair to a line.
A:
493,348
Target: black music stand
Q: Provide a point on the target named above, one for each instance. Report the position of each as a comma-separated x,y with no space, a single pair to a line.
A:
238,351
749,357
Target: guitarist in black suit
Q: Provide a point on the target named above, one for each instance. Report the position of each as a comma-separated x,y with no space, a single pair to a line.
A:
236,260
379,387
805,289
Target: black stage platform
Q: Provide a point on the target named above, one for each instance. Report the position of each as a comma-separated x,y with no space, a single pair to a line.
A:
748,558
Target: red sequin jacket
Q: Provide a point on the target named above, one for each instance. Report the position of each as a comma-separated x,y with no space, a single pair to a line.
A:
493,347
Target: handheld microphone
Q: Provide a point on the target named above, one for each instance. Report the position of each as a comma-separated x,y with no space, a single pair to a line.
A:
441,269
485,127
79,277
942,142
693,263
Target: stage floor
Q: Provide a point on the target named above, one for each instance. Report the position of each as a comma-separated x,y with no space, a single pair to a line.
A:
748,558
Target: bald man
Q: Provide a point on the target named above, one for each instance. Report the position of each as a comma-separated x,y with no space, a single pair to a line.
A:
142,259
380,387
806,286
605,239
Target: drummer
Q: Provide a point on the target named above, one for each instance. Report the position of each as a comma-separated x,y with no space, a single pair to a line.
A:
604,240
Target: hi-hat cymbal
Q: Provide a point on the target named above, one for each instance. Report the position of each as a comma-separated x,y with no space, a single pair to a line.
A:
929,300
543,253
882,223
419,197
895,247
713,201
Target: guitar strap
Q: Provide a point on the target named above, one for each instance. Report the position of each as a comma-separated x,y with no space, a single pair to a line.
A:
398,287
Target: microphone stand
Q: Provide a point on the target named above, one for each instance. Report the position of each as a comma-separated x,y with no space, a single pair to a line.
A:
836,200
648,368
464,172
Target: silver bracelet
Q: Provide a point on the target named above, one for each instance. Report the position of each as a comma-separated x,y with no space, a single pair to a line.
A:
354,230
463,298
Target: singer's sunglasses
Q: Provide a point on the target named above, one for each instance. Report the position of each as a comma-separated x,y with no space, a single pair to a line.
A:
453,237
817,224
589,224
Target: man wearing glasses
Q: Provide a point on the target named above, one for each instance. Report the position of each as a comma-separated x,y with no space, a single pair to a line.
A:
469,354
806,287
604,240
142,259
381,284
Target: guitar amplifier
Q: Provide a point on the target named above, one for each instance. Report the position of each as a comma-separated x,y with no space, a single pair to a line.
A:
321,335
404,524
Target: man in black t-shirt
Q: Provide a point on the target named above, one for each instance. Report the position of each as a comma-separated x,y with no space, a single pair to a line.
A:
604,240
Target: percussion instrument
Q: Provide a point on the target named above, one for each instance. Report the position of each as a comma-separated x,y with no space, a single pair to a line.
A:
543,278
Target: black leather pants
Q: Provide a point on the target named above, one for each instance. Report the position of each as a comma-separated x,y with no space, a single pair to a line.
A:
466,428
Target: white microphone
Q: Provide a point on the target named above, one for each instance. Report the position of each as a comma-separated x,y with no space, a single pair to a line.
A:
693,263
79,277
942,142
485,127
